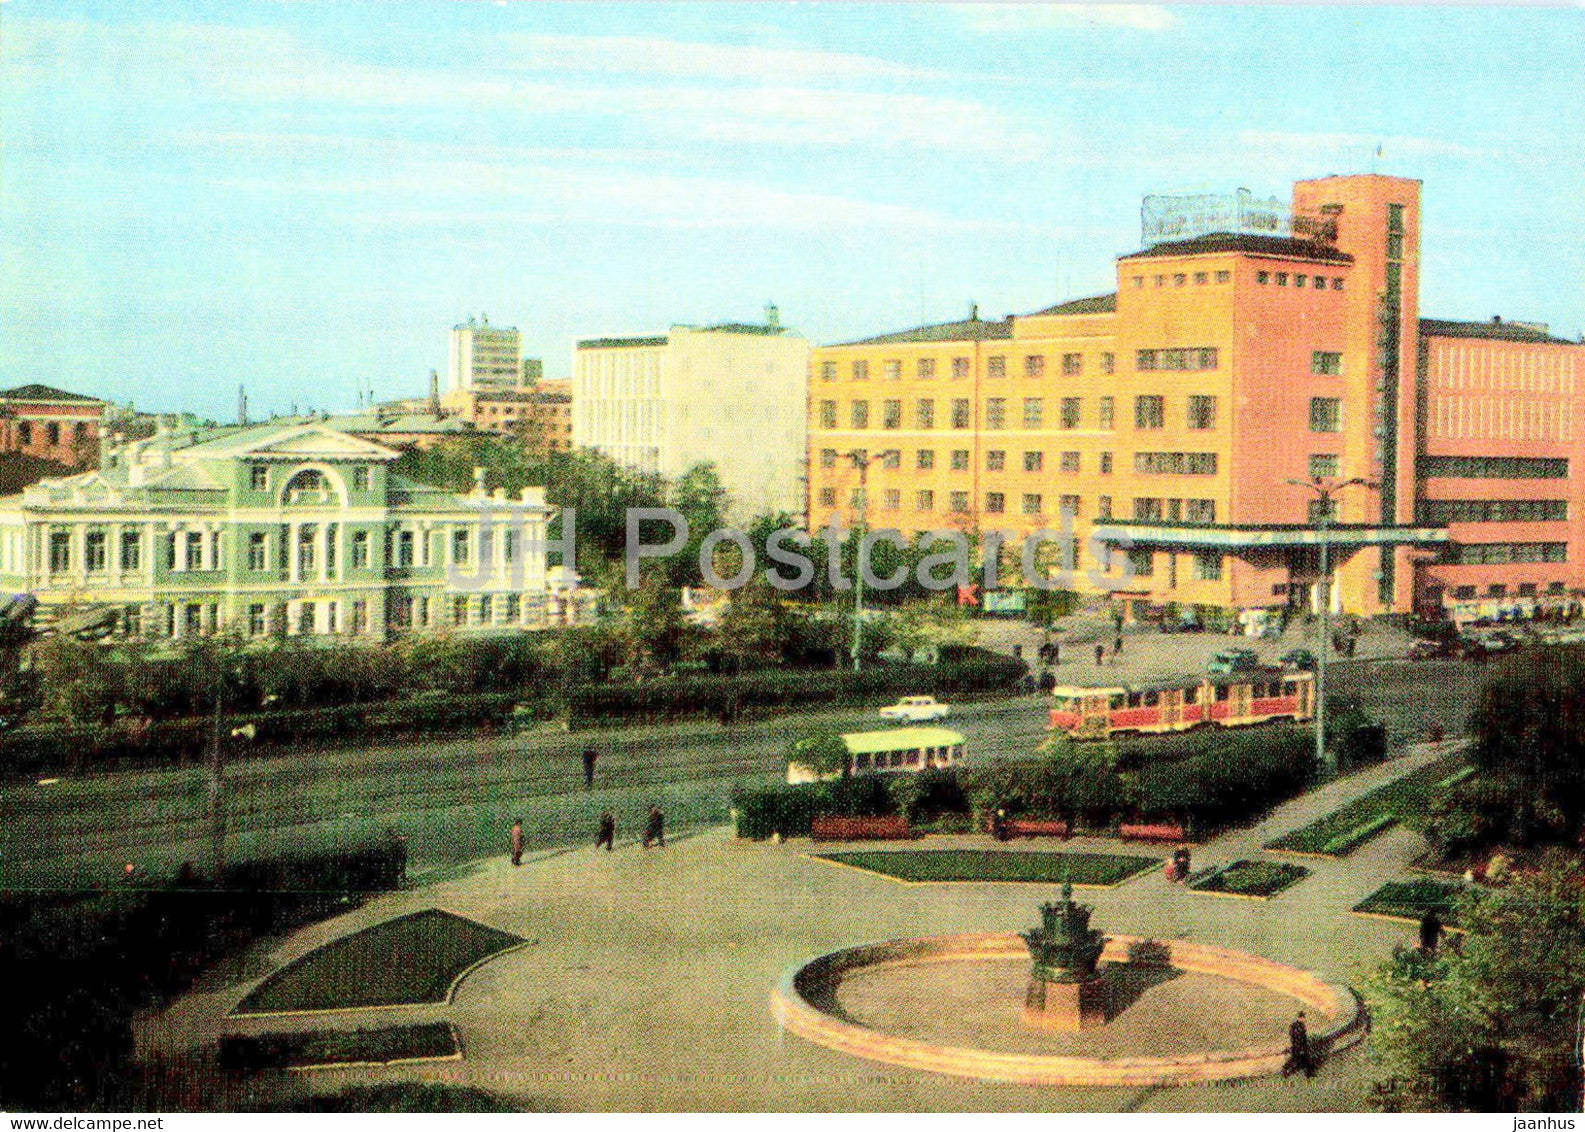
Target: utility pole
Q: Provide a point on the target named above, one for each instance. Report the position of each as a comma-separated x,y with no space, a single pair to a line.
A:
861,461
217,785
1323,516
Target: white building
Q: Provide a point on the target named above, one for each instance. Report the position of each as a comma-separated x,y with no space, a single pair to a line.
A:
484,358
732,395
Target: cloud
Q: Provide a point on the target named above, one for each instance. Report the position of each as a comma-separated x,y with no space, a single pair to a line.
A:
1354,146
1001,18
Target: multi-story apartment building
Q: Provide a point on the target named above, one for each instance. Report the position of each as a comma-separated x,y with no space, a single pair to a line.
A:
733,395
289,527
541,416
1249,350
485,359
51,424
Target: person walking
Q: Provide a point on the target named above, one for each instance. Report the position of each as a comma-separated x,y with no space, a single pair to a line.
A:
1299,1049
655,828
589,757
1056,654
607,831
517,842
1100,655
1117,647
1430,930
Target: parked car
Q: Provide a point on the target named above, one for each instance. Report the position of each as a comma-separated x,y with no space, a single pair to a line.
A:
1499,641
1426,649
1234,660
1299,658
915,709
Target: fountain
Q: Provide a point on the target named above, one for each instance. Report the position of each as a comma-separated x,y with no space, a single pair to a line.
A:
1066,991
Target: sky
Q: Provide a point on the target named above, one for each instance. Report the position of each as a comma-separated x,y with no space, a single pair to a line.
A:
304,198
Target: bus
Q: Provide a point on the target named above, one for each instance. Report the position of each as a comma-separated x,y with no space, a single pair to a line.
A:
1234,699
898,750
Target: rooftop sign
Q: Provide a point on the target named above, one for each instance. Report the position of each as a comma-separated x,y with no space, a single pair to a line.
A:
1166,218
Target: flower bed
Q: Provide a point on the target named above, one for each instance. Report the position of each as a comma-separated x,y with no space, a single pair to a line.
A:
1259,880
1343,830
429,1041
1410,899
1101,870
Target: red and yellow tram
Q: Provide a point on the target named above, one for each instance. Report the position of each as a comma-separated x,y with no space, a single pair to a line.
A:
1237,699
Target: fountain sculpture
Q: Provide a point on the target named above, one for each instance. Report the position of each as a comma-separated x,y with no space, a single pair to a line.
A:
1066,992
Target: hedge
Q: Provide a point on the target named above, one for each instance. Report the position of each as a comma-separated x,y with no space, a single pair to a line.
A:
415,1042
1250,772
790,810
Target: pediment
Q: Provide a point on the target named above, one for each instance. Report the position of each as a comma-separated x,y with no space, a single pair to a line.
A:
316,442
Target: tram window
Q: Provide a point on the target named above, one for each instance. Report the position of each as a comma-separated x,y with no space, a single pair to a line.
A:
1191,695
1221,693
1116,702
913,758
1133,699
861,761
1151,699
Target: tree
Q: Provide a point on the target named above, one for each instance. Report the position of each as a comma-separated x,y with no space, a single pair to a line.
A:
825,753
653,626
1489,1026
753,628
76,682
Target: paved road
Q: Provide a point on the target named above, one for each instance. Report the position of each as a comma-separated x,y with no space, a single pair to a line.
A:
454,798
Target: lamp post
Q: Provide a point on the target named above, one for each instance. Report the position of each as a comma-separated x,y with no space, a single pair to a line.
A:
1323,493
862,460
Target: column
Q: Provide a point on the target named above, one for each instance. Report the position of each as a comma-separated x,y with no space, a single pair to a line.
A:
321,544
293,562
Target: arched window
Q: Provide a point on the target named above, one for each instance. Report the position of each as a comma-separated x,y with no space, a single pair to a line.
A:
310,488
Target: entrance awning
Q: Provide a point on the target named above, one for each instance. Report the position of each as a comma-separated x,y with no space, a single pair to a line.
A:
1268,536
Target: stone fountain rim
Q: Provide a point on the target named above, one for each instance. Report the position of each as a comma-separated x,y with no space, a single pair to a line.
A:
1346,1017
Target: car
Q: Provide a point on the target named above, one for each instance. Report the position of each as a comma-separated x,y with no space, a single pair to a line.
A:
1429,649
1233,660
1299,658
1499,641
915,709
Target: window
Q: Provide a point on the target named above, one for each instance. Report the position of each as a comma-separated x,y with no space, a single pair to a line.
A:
925,501
828,371
1207,566
1035,365
995,461
1439,512
1150,412
996,366
828,497
1068,505
892,500
1032,503
1262,277
861,371
1323,466
960,367
1108,412
257,625
1148,510
194,551
1300,280
828,414
828,457
995,502
1202,411
925,413
1201,511
1337,284
1103,507
1071,412
1106,463
1161,281
1176,360
856,499
259,477
94,551
1282,278
404,548
859,414
891,458
460,547
958,502
1499,553
1527,589
1326,414
25,433
1034,461
1494,467
1326,362
131,550
360,550
1179,279
1139,281
257,551
891,413
1224,276
1141,561
925,459
1034,412
1463,593
1072,365
891,369
960,459
1175,463
960,412
52,433
925,369
996,412
1201,278
1069,462
360,479
1319,283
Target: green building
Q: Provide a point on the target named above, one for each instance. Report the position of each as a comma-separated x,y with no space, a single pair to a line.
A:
289,527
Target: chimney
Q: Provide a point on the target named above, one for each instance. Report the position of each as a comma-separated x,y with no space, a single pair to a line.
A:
974,312
434,394
242,405
772,316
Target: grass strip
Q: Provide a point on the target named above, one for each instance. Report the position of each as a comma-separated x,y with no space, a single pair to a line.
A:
997,866
1335,834
428,1040
408,961
1410,899
1251,878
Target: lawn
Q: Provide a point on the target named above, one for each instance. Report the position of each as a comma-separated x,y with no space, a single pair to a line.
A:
1409,900
1342,831
1100,870
401,1096
1261,879
407,961
426,1041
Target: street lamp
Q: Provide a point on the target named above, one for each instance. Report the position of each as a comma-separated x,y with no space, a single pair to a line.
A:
1323,493
862,461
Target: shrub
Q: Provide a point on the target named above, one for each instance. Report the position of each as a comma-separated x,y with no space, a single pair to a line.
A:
1355,739
928,795
1251,772
791,810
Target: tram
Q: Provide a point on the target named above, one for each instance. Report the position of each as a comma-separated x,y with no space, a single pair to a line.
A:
1237,699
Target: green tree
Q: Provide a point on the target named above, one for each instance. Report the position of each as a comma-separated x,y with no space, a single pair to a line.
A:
653,627
76,681
753,630
824,753
1488,1026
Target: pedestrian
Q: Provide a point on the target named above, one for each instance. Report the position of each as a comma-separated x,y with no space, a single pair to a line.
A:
1298,1049
607,833
655,828
1056,654
1117,647
517,842
1430,930
1180,858
589,756
999,825
1100,655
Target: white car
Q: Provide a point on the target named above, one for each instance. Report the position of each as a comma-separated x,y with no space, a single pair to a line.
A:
915,709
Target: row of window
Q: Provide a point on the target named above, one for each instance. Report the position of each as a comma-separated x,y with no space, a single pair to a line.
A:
308,480
1300,280
995,460
1496,589
1175,463
1034,365
1493,467
1440,512
1176,360
52,432
1195,511
1207,565
1181,278
1150,412
1500,553
1201,512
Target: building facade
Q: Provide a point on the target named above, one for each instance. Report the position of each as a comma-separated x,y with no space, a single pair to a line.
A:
541,416
484,358
286,528
732,395
1179,422
50,424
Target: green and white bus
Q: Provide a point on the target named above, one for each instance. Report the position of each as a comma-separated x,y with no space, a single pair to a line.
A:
898,750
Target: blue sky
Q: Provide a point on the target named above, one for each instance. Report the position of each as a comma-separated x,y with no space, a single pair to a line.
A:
302,197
